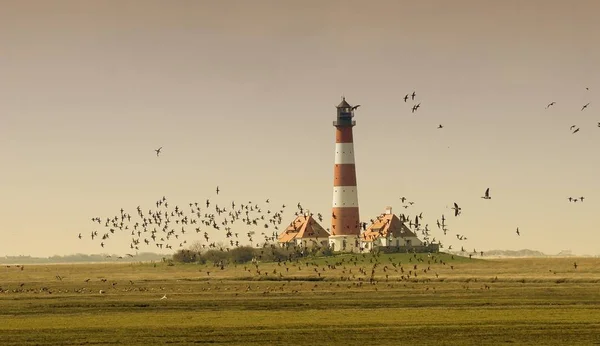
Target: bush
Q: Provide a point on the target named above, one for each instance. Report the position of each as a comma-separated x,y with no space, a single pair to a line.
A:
275,253
215,256
242,254
186,256
324,251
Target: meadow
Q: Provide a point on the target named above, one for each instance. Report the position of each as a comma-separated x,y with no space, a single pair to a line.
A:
344,299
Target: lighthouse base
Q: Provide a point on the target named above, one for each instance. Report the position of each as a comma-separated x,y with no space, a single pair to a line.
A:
344,243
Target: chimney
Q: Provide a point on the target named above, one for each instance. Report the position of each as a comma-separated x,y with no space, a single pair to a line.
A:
388,210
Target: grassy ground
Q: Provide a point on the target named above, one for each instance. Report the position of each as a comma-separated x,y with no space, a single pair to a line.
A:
327,301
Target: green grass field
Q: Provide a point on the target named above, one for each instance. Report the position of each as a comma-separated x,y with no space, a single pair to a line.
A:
455,301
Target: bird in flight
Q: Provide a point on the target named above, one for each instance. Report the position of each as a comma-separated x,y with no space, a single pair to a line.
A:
218,190
441,127
456,209
415,107
158,151
585,106
550,104
406,97
598,124
353,108
518,233
413,95
487,194
576,130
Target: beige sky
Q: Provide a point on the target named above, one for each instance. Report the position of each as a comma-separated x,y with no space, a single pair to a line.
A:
241,94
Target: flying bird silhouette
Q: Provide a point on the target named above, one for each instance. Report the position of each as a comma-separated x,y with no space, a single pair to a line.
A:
487,194
456,209
158,151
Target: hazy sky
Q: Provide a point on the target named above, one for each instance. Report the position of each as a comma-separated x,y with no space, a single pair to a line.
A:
241,94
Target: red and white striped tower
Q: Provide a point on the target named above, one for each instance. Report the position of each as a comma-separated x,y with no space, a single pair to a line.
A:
345,224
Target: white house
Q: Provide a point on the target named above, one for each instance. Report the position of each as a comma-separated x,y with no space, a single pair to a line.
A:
388,230
304,231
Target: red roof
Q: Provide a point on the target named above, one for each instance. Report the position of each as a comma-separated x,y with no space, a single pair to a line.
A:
303,227
386,225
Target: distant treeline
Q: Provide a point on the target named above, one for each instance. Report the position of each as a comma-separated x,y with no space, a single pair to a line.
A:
516,253
82,258
244,254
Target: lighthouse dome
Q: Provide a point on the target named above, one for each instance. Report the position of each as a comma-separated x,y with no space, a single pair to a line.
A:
344,104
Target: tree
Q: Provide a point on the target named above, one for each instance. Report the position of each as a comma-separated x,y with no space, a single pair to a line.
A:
196,247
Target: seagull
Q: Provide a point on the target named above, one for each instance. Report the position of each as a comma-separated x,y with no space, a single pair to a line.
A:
550,104
456,209
158,151
585,106
487,194
518,233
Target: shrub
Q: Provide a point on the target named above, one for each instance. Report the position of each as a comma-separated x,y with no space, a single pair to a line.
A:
241,254
185,256
215,256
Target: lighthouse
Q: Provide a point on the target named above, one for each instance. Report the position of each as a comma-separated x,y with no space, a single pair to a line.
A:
345,221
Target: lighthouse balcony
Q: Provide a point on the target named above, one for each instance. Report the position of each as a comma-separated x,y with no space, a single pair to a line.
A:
344,122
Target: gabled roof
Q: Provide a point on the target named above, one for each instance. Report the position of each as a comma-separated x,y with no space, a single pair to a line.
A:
303,227
386,225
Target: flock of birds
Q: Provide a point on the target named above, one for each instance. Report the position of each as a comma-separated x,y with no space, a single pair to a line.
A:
166,228
412,96
574,128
